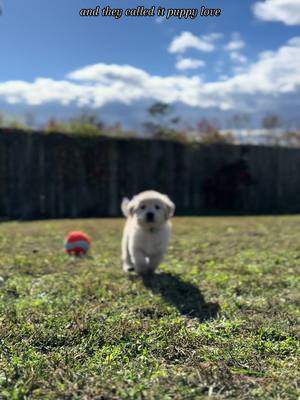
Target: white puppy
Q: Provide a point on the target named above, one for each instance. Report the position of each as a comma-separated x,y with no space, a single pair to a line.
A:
147,231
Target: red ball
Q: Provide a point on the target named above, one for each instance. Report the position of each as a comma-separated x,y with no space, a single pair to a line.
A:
77,243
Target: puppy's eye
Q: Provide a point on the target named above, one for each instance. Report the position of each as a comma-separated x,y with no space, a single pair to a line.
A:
143,207
157,207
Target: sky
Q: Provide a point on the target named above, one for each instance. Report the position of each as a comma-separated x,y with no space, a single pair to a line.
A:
56,63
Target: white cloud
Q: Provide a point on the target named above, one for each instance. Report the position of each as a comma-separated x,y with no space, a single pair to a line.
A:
238,57
187,40
212,37
42,91
236,43
189,63
233,47
286,11
223,77
274,74
108,72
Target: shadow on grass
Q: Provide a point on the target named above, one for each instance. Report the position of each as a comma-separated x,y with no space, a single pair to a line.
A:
185,296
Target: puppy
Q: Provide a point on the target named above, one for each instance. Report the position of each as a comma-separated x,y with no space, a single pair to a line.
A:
147,231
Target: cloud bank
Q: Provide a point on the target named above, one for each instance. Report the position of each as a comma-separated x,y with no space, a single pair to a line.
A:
274,74
286,11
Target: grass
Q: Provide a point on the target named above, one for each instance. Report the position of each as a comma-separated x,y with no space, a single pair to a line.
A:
218,321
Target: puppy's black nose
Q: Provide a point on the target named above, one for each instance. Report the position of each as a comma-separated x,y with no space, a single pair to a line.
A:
150,216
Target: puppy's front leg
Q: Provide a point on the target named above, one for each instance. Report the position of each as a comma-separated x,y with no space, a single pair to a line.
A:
140,262
126,259
154,262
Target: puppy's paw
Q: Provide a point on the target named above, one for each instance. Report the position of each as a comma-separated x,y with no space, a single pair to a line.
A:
128,268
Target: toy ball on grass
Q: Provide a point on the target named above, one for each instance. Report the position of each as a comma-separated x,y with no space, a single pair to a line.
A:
77,243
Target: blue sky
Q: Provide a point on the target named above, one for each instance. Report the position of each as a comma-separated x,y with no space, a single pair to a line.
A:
246,60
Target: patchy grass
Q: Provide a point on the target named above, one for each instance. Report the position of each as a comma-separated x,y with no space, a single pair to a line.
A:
219,320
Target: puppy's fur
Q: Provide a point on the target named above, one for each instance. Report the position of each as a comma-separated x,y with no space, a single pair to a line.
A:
147,231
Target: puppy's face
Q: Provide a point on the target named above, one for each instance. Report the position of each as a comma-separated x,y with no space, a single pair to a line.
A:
151,210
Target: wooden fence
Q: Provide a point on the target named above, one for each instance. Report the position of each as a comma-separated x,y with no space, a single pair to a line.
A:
56,176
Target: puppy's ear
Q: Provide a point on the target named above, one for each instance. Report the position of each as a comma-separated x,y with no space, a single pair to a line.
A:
170,207
127,207
124,206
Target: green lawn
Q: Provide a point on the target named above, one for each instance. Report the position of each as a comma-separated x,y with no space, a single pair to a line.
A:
218,321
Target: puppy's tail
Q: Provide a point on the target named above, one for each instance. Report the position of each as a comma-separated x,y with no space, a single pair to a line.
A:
124,206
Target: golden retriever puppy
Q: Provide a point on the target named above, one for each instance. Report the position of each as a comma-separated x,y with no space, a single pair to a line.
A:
147,231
